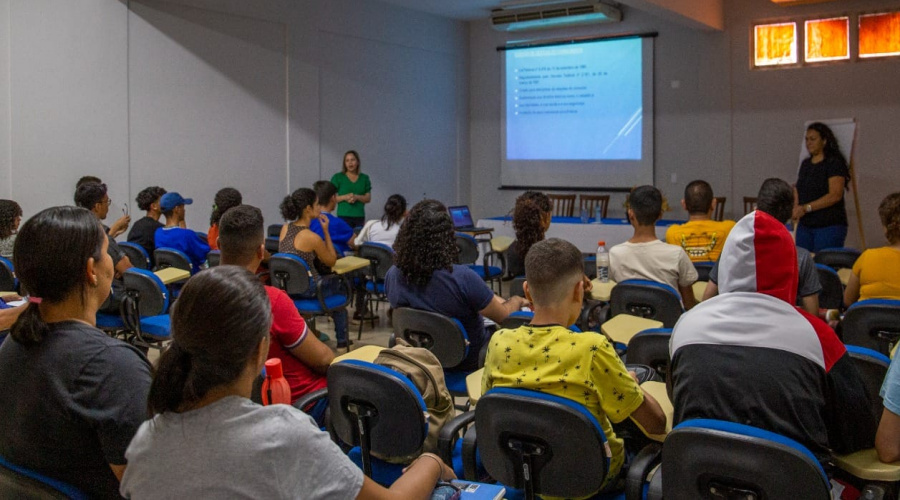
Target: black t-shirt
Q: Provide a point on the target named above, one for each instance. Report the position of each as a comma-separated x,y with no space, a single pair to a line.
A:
143,233
71,404
515,262
812,184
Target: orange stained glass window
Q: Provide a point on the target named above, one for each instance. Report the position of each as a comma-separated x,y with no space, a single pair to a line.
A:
775,44
879,34
828,39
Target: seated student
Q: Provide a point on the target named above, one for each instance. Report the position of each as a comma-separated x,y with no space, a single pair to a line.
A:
876,273
341,233
385,229
776,198
425,277
10,217
208,440
93,197
303,357
644,256
121,224
225,199
531,219
701,237
887,439
143,232
174,235
72,396
548,357
301,209
750,356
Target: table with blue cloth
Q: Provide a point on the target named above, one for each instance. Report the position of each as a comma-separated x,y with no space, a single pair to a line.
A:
583,235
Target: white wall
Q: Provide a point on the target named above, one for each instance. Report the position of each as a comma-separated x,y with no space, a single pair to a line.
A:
262,95
724,123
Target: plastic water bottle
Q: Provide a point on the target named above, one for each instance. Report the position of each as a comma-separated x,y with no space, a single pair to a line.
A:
275,388
602,262
597,214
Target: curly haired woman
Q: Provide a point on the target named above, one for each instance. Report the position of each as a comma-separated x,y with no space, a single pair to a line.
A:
226,198
425,277
10,217
531,219
876,273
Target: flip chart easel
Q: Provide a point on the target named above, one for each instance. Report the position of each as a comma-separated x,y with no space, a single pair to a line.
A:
845,131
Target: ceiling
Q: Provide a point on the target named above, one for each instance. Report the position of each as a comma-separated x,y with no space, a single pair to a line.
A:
703,14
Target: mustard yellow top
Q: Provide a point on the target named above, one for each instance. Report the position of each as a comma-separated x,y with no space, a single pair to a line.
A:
701,239
878,270
582,367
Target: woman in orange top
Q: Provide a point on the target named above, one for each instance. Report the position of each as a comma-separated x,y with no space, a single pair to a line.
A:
876,274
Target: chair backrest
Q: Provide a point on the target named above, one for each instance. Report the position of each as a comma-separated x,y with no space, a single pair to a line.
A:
562,205
136,254
516,286
651,347
589,201
171,257
832,294
872,323
646,299
291,273
398,425
213,258
274,230
25,484
272,244
517,319
719,212
8,281
749,204
872,367
468,249
837,258
564,440
703,270
444,336
150,291
712,459
381,256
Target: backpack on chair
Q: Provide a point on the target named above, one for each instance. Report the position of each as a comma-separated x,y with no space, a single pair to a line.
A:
424,370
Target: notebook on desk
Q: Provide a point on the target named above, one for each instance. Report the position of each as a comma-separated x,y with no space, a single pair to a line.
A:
462,219
479,491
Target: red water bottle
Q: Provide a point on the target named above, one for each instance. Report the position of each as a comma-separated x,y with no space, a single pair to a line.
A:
275,388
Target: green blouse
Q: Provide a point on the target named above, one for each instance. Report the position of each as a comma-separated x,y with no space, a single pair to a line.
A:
344,186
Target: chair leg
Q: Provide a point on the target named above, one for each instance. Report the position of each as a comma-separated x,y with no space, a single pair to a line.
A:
362,316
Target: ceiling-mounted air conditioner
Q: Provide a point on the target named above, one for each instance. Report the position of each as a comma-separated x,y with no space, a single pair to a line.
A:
552,14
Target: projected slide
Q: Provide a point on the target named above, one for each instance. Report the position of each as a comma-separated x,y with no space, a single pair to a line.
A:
575,102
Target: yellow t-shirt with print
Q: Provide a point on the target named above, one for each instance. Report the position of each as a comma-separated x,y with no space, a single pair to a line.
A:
878,270
701,239
582,367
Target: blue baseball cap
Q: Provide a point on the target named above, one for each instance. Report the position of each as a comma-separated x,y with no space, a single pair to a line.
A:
171,200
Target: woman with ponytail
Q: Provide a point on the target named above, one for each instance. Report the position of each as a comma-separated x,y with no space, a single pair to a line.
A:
385,229
72,396
876,273
206,439
531,219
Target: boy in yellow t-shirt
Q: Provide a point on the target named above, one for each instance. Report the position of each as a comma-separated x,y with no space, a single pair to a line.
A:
701,237
547,356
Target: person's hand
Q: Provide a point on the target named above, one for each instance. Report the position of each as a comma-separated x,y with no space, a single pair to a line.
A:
323,219
588,286
519,302
446,472
12,297
120,226
352,198
799,211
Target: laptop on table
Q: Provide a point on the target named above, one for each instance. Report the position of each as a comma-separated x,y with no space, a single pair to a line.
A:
462,220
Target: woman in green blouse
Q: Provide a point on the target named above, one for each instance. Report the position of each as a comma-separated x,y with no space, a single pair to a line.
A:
354,191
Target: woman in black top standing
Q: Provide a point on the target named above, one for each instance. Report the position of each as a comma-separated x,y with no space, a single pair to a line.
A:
820,192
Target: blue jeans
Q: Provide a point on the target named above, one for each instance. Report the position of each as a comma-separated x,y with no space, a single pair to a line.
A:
340,325
815,239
